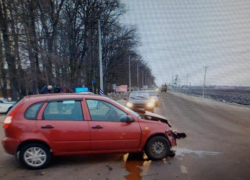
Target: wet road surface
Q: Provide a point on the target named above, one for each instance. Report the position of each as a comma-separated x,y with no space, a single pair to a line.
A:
217,147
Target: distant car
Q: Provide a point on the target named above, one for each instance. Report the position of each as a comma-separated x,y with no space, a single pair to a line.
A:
37,127
153,95
164,88
5,106
140,100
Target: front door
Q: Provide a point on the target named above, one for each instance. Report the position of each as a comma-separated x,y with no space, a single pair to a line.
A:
108,133
63,124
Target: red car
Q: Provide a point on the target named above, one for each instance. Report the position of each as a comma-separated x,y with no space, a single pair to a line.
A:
40,126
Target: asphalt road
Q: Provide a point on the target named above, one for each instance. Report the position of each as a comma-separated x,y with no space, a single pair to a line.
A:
217,147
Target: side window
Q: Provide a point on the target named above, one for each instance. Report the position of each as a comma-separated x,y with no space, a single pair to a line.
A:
32,111
63,110
103,111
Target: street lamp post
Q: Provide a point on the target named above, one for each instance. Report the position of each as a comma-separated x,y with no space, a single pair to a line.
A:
129,74
187,85
137,77
100,57
142,78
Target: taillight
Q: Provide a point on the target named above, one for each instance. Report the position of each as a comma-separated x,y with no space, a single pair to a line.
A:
8,120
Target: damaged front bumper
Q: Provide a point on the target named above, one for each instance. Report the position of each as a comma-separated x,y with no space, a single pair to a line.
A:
173,135
179,135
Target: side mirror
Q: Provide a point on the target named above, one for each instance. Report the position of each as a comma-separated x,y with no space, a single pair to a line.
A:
127,119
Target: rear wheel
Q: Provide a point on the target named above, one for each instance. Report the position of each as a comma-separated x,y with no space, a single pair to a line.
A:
157,148
35,156
171,154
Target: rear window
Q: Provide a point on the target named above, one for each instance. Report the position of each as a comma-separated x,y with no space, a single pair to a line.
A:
32,111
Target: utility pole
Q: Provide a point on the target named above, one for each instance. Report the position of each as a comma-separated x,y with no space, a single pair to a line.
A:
176,82
204,81
142,79
179,87
100,57
187,85
137,76
129,76
172,80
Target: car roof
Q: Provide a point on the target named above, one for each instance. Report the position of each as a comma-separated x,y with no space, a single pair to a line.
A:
44,97
86,93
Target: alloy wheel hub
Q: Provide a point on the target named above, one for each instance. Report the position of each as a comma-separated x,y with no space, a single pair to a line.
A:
35,156
158,148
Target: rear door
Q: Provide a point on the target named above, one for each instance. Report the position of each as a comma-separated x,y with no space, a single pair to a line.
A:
108,133
63,124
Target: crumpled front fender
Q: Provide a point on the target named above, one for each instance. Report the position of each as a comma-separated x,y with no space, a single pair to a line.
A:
178,135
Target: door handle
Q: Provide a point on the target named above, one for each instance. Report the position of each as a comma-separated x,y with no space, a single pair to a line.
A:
47,127
97,127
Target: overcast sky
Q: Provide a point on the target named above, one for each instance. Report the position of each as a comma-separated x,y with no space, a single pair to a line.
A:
182,37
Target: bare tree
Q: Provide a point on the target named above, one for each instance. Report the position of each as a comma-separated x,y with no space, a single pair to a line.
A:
56,42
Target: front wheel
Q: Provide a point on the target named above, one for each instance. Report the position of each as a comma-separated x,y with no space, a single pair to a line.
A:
157,148
35,156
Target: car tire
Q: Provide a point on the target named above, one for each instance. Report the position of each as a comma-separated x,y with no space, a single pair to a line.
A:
157,148
171,154
136,156
42,156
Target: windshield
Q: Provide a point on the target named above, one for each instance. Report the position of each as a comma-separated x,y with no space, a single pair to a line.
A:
139,95
152,94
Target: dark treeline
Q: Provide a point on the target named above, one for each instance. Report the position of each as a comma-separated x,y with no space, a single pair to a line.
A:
56,42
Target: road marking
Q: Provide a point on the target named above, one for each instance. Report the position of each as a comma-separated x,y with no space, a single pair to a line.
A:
164,109
183,169
182,151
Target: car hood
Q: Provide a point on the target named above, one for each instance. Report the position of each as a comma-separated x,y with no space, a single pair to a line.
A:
138,101
156,117
147,113
153,117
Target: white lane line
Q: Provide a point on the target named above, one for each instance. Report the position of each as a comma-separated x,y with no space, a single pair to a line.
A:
164,109
200,154
183,169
